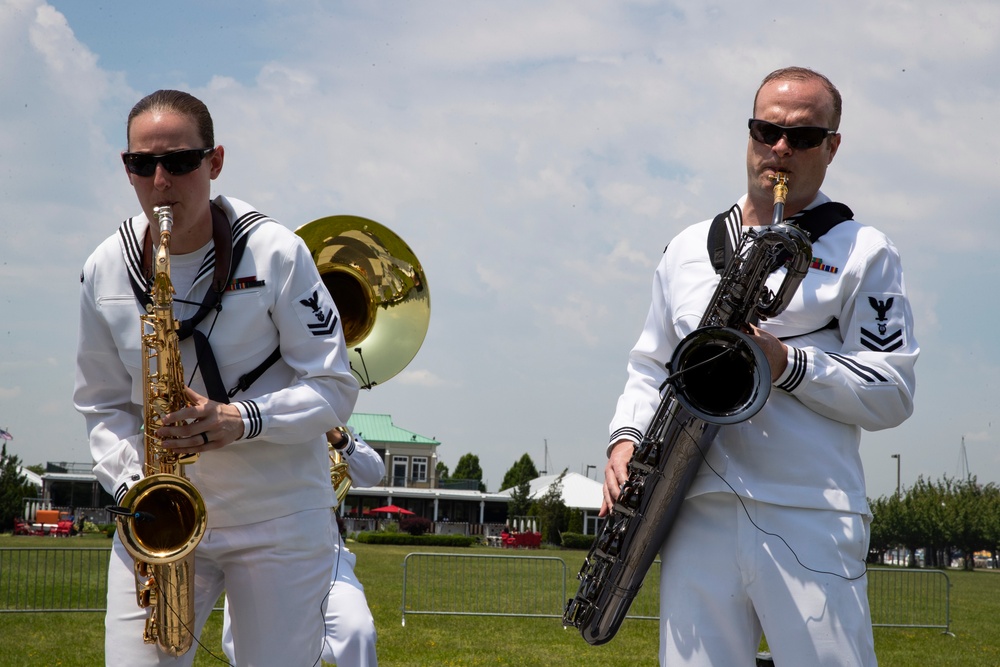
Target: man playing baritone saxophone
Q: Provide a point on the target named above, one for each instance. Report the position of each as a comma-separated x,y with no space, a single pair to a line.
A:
257,325
773,533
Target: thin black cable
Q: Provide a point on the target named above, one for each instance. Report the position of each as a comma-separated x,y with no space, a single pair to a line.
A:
326,598
194,636
766,532
746,511
333,582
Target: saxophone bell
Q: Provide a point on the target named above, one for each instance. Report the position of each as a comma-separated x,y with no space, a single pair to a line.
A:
720,375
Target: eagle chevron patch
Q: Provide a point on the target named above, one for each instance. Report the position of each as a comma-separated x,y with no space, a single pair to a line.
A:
881,323
316,312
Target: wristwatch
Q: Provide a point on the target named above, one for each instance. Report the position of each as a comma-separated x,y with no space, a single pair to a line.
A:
345,440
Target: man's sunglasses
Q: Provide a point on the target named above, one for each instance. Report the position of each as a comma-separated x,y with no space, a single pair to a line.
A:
177,163
798,138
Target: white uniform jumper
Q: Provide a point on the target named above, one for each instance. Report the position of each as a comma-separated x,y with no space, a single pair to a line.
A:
851,355
266,494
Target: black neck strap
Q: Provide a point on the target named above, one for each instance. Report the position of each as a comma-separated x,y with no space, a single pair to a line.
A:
815,222
222,237
227,258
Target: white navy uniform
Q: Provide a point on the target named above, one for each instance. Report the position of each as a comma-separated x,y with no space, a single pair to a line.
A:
350,635
795,466
265,494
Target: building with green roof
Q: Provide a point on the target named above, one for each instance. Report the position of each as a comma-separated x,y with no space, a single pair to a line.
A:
410,481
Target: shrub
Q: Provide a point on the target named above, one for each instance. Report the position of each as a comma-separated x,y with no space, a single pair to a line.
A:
577,541
418,525
368,537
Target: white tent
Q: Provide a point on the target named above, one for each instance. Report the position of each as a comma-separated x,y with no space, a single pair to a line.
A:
32,478
578,492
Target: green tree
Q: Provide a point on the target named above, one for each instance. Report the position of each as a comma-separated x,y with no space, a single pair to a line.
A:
441,471
924,522
523,470
885,527
552,512
520,502
14,488
946,517
468,468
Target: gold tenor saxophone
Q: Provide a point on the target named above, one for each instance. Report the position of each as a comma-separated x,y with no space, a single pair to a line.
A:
717,376
162,518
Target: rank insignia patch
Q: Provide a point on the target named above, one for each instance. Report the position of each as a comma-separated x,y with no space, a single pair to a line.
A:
880,321
316,312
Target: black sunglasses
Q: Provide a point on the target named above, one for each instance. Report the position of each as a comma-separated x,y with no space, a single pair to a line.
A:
799,138
177,163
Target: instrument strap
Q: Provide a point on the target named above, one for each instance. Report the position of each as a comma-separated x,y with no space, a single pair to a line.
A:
227,258
815,222
222,237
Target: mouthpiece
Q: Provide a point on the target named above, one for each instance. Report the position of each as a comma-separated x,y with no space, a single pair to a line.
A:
164,218
780,192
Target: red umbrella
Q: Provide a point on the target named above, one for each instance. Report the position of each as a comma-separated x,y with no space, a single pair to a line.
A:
392,509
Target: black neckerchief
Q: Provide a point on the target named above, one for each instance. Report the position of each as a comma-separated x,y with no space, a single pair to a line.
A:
815,222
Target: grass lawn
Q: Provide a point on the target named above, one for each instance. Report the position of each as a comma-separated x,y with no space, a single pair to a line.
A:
76,639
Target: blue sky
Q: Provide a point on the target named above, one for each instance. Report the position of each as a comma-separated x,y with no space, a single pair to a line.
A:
536,156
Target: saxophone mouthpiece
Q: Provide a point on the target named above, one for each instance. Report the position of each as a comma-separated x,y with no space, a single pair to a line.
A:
780,186
780,190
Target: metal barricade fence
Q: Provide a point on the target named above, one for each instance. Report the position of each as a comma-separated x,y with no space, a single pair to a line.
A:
46,579
435,583
473,585
53,579
909,598
75,579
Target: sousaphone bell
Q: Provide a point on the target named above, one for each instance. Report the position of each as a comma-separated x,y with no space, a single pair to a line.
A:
381,293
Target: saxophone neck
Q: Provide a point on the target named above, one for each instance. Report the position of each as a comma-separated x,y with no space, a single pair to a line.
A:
162,286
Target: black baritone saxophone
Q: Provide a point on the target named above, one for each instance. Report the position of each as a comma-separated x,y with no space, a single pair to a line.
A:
717,376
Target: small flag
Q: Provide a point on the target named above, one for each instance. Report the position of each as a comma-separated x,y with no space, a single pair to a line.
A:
5,434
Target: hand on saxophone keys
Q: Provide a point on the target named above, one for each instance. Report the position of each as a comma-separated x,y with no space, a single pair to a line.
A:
775,351
201,426
616,473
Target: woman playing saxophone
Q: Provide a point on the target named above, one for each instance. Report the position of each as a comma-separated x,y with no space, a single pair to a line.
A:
265,376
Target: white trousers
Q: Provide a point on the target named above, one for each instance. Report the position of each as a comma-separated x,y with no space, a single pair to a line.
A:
724,582
350,628
275,573
349,640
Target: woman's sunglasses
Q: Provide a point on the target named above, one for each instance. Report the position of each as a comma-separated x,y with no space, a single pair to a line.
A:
798,138
177,163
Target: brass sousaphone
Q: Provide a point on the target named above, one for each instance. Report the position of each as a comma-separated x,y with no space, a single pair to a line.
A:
381,293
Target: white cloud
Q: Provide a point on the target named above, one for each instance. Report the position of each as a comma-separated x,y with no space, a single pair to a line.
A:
537,156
